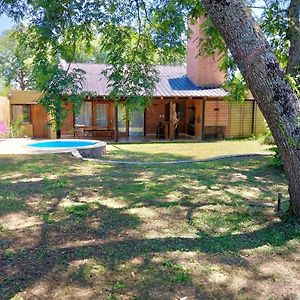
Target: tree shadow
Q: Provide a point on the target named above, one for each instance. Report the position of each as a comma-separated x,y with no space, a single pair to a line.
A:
93,216
32,264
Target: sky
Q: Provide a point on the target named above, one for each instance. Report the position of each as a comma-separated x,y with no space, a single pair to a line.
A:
5,23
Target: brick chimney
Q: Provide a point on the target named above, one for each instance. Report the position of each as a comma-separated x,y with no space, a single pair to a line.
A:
202,71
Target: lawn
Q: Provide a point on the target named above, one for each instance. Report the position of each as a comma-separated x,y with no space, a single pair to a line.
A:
181,151
72,229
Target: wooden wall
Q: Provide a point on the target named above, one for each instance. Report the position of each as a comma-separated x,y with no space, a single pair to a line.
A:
68,125
216,119
241,124
39,121
24,97
260,124
223,119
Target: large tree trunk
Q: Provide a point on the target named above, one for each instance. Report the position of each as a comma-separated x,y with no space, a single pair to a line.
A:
267,82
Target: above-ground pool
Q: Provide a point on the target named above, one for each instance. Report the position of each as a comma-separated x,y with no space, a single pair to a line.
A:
87,148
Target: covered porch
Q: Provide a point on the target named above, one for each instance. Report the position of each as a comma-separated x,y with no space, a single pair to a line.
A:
166,119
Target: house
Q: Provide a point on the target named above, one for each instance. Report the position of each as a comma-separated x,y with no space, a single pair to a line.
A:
188,102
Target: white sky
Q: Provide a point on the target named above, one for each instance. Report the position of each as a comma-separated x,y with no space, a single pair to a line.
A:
6,23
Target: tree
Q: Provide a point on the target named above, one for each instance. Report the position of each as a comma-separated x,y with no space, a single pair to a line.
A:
54,34
283,33
268,84
15,62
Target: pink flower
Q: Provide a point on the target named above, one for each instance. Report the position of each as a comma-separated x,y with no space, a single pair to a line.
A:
3,128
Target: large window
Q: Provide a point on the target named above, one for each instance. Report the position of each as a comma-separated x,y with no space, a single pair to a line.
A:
85,115
101,114
21,112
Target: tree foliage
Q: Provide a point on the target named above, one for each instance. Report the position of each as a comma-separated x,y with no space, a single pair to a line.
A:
15,62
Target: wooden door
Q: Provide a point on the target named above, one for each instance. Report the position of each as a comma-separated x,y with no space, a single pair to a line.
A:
39,121
68,124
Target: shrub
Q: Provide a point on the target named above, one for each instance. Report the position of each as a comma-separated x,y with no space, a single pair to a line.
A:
276,161
268,139
16,128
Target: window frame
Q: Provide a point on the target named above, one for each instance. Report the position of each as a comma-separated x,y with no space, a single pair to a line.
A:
28,120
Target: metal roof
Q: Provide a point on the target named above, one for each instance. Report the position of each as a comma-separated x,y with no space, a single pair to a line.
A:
172,82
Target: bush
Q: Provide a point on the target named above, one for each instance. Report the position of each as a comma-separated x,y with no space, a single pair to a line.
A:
16,128
267,139
276,161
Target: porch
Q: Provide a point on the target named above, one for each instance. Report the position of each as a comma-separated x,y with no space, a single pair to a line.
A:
166,119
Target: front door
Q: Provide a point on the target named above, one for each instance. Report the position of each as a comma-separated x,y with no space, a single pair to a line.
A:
39,121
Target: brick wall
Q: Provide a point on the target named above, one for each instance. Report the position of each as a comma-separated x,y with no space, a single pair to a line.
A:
202,71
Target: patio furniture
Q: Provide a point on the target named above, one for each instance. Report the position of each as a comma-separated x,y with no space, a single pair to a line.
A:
86,131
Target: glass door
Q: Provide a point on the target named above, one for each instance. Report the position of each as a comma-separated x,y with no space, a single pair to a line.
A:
85,115
136,123
101,114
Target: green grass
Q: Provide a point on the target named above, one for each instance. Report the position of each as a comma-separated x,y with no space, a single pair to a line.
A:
181,151
77,229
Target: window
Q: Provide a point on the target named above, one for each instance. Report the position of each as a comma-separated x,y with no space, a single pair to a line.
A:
85,115
101,114
21,112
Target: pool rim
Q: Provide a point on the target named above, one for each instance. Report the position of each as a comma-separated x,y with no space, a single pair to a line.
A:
96,144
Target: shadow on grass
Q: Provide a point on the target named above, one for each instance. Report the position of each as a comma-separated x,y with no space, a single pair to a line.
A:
89,212
32,264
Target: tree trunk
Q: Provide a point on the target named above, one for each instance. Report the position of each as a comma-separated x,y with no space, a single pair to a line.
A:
260,68
21,80
293,65
58,133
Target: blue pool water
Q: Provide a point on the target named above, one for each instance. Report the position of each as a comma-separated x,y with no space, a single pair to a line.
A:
62,144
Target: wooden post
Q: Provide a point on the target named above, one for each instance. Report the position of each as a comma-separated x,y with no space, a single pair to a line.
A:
279,202
171,121
253,117
116,137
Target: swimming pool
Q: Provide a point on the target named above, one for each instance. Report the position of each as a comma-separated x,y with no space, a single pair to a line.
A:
87,148
62,144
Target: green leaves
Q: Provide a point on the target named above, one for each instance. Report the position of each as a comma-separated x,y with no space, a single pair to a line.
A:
131,72
15,62
237,88
275,25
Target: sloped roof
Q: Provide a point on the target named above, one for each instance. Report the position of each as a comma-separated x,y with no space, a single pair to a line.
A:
172,82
